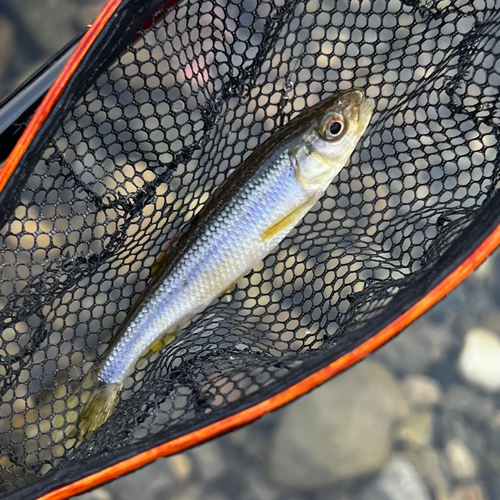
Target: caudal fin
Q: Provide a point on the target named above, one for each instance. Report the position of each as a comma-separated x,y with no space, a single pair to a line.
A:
99,401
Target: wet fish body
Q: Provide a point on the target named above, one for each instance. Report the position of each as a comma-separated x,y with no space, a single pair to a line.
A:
243,221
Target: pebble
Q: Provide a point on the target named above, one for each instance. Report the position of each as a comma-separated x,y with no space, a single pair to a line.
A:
97,494
464,400
56,22
7,40
416,349
492,317
479,361
189,492
494,441
469,492
259,487
181,466
330,495
156,478
428,462
253,440
340,431
210,460
216,495
451,426
397,481
422,391
462,463
416,431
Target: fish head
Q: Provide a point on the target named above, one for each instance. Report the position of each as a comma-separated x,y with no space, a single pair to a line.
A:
337,126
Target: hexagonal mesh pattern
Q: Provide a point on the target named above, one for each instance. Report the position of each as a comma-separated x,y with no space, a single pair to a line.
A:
147,142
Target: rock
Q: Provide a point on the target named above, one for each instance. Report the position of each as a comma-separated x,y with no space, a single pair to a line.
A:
493,483
181,466
495,442
211,496
252,439
462,463
53,23
429,465
495,421
258,487
416,431
330,495
190,492
155,478
7,41
422,391
492,319
97,494
479,361
340,431
469,492
416,349
210,460
463,400
398,480
451,426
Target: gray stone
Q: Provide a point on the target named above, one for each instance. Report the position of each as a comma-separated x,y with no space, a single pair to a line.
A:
422,391
180,465
7,40
259,487
188,492
416,431
216,495
455,426
97,494
397,481
431,466
340,431
462,462
469,492
463,400
149,484
494,482
252,439
416,349
495,439
210,460
479,361
331,494
53,23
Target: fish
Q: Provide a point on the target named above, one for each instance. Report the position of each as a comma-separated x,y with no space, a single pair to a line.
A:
241,223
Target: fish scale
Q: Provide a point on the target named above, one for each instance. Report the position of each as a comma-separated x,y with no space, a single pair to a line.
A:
230,243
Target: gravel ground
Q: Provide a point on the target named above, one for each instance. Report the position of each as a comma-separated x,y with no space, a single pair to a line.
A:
418,420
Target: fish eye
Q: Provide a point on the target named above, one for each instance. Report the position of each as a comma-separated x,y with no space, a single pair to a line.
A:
334,128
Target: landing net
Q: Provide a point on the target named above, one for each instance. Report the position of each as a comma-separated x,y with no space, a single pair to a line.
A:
151,124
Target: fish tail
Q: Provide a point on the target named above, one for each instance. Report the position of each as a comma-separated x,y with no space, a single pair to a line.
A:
99,400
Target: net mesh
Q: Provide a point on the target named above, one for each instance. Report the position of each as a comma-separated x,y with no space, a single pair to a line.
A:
200,87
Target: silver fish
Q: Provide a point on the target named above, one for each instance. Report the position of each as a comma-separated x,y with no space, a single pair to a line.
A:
240,224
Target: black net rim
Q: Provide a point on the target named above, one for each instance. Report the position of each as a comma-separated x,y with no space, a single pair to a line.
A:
103,43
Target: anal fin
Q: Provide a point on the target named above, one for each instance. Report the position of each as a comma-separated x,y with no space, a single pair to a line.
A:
169,336
230,286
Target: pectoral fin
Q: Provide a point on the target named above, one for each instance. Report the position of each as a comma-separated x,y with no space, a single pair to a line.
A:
290,219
